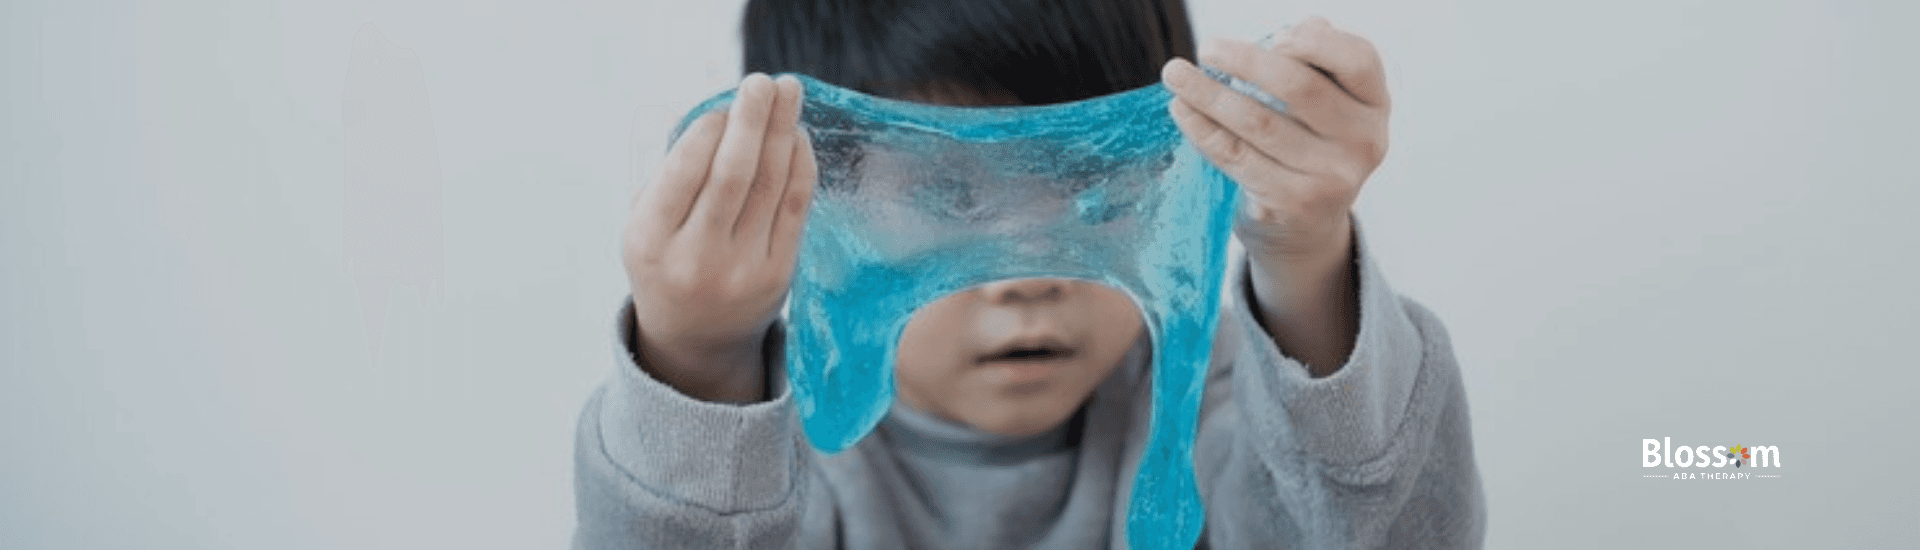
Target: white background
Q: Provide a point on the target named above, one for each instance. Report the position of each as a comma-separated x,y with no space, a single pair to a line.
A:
1640,219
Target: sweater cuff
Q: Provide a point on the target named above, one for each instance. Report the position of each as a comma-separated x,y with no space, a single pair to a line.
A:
1348,417
724,457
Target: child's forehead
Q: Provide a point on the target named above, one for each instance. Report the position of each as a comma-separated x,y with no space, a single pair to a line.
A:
991,188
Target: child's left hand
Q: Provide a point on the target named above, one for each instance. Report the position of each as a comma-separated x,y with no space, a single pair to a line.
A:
1299,173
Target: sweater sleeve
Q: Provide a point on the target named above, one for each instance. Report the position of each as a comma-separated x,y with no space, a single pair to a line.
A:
1376,455
655,468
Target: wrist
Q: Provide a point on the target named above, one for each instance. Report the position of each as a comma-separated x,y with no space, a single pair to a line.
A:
1305,260
1292,235
1301,285
1308,301
732,371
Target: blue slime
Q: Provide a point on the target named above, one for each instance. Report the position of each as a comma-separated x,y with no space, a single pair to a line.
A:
916,202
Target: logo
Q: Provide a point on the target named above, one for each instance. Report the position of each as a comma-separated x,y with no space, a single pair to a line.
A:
1656,453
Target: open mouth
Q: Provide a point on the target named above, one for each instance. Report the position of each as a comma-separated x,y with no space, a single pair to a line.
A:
1030,353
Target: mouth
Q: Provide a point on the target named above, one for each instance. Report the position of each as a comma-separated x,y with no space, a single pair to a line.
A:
1033,352
1030,367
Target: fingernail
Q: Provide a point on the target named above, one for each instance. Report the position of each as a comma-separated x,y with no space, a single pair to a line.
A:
1171,71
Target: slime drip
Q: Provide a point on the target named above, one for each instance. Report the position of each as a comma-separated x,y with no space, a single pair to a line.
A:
916,202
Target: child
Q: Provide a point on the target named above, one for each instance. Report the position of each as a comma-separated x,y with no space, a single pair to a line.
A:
1334,414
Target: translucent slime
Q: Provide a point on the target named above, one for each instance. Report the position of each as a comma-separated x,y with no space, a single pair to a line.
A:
916,202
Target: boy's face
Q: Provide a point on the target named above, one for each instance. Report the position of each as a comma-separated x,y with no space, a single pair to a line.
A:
1014,357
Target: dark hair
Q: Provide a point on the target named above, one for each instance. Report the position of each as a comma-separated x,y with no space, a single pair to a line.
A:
1030,51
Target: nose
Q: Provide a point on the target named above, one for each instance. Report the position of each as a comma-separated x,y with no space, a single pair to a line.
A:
1024,290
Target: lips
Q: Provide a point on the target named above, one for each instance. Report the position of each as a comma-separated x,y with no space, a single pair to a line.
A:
1030,351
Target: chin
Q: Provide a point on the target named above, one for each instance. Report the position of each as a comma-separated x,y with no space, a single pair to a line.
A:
1021,419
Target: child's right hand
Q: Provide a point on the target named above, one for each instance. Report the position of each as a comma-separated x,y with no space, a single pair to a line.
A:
709,245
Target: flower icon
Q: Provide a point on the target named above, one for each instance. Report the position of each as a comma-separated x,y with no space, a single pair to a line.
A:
1739,455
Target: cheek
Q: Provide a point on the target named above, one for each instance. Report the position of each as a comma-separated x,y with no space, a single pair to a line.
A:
929,345
1116,325
1119,318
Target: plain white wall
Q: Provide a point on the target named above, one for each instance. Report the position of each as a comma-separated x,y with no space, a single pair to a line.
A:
1640,219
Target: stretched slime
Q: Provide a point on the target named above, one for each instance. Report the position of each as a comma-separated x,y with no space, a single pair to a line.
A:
916,202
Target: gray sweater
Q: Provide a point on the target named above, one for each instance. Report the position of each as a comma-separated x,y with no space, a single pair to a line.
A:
1378,455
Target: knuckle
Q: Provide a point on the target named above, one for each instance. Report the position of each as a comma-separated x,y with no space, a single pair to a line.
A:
1346,176
1266,124
794,204
1370,57
1317,25
1309,41
729,176
1232,150
1371,151
762,184
1372,73
796,200
1325,196
1374,151
1309,34
1296,87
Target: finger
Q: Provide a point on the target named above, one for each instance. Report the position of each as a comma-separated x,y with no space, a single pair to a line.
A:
1313,99
1349,59
1267,180
1249,127
738,158
668,201
784,243
1221,146
776,156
